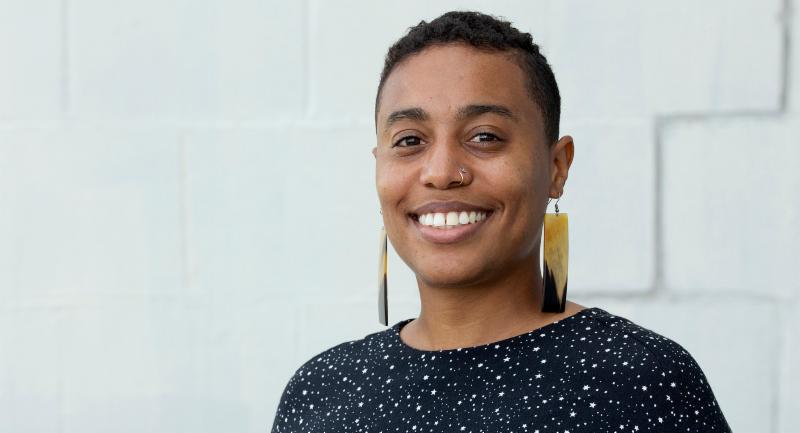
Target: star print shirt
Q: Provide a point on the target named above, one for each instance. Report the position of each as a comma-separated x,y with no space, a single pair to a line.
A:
589,372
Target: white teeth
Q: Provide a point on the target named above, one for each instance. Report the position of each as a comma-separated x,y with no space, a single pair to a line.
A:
451,219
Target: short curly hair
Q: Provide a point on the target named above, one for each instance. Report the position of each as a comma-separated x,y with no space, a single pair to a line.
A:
489,33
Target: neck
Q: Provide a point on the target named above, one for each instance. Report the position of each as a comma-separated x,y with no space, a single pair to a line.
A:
480,313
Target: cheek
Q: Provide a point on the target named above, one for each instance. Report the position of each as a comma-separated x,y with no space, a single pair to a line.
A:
391,184
393,187
522,188
383,190
383,181
516,182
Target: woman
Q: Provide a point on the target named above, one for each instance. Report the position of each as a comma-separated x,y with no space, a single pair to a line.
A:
467,159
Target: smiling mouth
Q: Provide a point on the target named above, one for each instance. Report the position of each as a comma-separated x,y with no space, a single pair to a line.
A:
450,220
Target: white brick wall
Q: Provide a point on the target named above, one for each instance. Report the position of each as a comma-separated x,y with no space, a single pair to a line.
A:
186,61
757,200
174,241
31,45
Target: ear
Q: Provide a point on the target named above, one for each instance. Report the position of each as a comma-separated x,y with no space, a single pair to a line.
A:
375,152
561,155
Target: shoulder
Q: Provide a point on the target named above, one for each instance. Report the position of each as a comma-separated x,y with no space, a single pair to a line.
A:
664,350
663,372
309,387
356,351
331,360
332,364
665,354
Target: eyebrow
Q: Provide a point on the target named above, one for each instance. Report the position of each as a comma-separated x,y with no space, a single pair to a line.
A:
475,110
465,112
415,113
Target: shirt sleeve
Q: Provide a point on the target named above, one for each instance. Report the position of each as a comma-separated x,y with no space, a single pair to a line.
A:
303,397
689,404
289,415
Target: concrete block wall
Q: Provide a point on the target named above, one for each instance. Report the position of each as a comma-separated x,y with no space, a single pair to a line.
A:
188,211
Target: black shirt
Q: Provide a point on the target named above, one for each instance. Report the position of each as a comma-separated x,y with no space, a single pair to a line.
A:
590,372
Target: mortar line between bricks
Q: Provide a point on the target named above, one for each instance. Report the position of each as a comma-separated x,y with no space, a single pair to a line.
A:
711,115
683,296
65,113
306,41
786,86
658,208
62,401
64,59
786,54
183,213
775,377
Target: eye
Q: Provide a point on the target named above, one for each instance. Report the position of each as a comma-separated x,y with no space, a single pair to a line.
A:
407,141
485,137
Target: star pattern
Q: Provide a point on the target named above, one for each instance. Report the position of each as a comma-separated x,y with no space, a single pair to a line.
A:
590,372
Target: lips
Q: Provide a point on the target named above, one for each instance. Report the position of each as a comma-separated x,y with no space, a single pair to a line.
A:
448,234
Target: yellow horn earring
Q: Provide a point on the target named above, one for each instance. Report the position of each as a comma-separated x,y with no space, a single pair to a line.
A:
383,304
556,258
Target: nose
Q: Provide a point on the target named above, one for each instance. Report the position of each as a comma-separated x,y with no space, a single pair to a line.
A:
440,166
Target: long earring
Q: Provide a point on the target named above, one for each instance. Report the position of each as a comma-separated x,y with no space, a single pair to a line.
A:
383,304
556,257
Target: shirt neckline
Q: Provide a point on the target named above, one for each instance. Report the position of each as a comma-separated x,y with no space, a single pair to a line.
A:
525,336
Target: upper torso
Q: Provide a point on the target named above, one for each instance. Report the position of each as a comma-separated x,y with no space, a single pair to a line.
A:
589,372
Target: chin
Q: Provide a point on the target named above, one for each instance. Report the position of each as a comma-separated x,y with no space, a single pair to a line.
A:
450,276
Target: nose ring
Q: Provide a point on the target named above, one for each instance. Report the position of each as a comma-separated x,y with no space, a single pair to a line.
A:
461,171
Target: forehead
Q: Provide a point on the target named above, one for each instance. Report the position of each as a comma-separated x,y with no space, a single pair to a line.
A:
442,78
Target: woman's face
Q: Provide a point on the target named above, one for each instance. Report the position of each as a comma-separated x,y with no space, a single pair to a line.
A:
453,106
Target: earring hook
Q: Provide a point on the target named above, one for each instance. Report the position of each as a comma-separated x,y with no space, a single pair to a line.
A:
557,199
